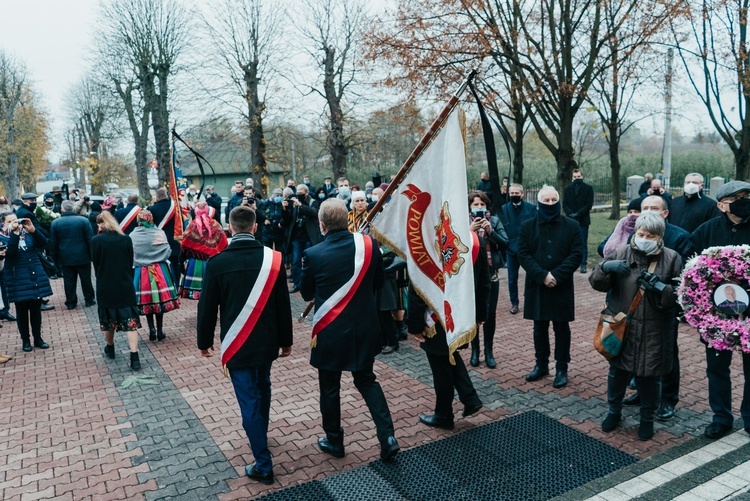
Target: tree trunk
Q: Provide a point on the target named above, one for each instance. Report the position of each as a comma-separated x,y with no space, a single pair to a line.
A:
741,161
565,153
614,164
140,137
520,122
13,181
336,139
255,110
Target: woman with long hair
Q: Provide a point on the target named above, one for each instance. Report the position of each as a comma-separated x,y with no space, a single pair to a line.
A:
112,255
203,238
24,276
155,291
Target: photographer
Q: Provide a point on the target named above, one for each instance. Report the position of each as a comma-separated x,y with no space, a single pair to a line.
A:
251,202
273,228
300,215
645,263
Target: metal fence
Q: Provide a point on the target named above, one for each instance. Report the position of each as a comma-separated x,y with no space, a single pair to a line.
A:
602,189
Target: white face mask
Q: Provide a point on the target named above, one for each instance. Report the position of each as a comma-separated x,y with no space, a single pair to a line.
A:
691,188
646,245
375,198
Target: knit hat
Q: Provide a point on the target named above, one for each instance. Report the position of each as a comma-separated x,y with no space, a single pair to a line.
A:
731,188
358,194
635,204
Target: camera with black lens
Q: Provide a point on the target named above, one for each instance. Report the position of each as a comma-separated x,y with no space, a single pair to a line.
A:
481,214
651,282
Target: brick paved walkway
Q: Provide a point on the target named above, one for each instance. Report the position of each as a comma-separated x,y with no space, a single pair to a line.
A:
69,430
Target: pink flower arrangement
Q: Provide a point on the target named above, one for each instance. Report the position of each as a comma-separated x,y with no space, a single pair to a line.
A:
702,275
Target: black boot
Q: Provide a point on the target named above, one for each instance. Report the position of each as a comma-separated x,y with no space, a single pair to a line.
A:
151,328
159,324
135,363
474,360
489,359
109,350
538,373
26,344
39,343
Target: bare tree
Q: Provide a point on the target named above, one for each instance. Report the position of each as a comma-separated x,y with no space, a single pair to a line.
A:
331,36
713,46
12,82
246,35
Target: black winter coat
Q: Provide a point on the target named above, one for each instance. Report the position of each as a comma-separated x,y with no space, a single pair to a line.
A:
352,340
648,347
550,247
69,240
578,199
720,231
438,345
213,200
512,218
227,282
24,276
112,255
690,212
311,228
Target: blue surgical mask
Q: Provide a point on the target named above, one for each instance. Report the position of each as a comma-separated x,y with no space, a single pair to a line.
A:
322,196
344,191
278,200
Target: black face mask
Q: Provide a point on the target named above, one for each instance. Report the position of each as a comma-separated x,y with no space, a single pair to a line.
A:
516,199
740,208
549,212
301,197
578,181
32,206
49,205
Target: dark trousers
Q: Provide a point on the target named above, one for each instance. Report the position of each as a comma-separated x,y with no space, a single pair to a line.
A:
446,377
490,323
3,291
585,238
562,343
388,328
720,386
513,265
29,313
298,247
253,389
372,393
649,389
670,383
174,263
70,281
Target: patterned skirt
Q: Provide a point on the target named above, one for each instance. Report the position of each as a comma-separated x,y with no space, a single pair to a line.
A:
155,291
119,319
192,280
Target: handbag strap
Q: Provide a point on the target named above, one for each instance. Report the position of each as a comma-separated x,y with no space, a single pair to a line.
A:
639,294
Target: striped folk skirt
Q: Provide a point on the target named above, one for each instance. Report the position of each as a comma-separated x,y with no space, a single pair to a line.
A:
192,280
155,291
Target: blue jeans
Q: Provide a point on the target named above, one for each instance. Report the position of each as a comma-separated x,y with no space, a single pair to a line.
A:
253,389
513,266
298,248
585,238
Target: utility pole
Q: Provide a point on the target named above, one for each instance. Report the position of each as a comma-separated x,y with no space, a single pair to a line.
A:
667,155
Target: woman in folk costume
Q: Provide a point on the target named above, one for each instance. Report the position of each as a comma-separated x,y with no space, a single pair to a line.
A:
155,290
358,214
203,238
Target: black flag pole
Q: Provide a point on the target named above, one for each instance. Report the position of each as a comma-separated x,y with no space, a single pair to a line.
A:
198,158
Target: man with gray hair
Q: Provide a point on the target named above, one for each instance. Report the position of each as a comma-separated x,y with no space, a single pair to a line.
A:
70,246
342,274
550,249
693,208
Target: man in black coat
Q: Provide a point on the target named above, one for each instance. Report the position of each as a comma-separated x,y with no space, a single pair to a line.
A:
27,211
578,199
300,215
447,376
127,216
214,201
693,208
550,250
346,329
248,349
69,243
164,208
513,214
732,228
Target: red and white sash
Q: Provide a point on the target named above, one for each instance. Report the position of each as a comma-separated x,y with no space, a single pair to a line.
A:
335,304
245,322
169,215
130,217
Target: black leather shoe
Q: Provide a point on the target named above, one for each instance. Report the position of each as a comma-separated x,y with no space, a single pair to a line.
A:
610,422
39,343
255,474
135,362
561,379
471,410
634,399
646,430
27,345
47,307
90,303
160,335
8,317
514,309
489,359
389,449
436,422
717,430
109,350
665,412
537,374
336,451
151,334
387,350
474,360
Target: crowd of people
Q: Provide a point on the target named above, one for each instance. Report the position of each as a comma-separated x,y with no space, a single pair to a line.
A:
314,241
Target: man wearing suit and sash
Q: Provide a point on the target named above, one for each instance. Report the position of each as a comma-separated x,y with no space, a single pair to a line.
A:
245,283
342,274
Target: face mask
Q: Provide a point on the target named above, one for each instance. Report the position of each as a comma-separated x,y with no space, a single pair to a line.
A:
32,206
301,197
740,207
478,212
375,198
691,188
48,204
278,200
549,212
658,213
646,245
344,191
322,196
516,199
578,181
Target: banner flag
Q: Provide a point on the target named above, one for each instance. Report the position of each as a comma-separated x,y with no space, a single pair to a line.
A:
426,222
